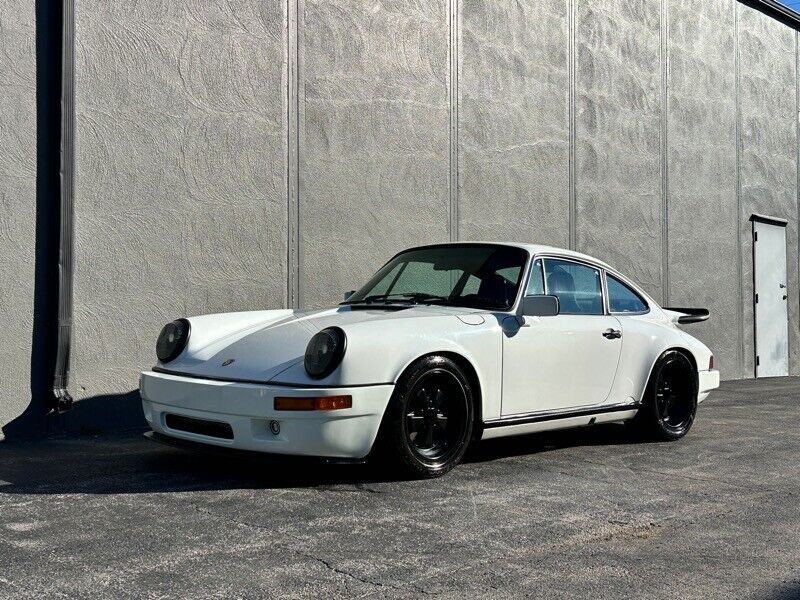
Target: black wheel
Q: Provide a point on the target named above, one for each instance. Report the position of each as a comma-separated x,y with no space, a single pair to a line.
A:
670,402
428,425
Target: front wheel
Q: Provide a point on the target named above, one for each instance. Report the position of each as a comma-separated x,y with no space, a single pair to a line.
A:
428,425
670,401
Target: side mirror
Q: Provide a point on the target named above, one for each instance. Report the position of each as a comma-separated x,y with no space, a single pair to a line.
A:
348,294
540,306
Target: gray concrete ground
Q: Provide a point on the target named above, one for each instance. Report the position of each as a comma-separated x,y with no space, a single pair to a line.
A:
584,514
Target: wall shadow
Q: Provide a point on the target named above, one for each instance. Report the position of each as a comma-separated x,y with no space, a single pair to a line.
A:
98,415
31,423
787,591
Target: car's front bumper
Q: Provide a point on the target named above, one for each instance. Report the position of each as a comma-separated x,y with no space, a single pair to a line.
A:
249,411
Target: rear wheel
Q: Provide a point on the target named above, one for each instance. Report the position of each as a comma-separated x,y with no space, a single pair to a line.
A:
670,402
429,422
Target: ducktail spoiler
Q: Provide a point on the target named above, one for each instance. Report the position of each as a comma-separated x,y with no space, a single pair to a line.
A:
687,315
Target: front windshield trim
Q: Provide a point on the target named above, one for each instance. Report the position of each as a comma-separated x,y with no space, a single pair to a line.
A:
404,300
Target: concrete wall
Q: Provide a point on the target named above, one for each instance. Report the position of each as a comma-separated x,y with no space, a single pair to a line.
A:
180,201
262,154
702,213
229,158
513,159
374,145
618,129
17,203
768,157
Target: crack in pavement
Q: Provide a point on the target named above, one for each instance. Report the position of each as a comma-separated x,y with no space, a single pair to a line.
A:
305,554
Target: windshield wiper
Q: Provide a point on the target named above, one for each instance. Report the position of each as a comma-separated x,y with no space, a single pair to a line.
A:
409,298
424,298
382,298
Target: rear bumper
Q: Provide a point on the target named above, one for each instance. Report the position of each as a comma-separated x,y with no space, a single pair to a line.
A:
249,410
708,380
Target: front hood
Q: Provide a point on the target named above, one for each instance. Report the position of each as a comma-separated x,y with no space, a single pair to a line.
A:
274,341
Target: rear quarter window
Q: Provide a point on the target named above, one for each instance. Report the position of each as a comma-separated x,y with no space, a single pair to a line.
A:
622,299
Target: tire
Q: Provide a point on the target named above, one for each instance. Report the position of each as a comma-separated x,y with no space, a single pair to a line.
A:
429,421
669,405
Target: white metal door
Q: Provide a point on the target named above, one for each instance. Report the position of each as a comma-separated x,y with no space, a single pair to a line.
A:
771,300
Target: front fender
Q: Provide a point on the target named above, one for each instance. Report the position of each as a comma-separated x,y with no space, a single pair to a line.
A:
380,353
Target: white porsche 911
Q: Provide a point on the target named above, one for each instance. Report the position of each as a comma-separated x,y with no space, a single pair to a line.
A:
446,344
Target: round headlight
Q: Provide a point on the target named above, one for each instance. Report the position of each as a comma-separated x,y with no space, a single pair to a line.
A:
324,352
172,340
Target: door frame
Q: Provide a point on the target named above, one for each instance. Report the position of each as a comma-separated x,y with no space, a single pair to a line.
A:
777,222
602,270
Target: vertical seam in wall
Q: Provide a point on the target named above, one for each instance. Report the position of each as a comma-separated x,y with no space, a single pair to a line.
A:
739,257
452,52
293,155
664,153
573,192
797,148
300,107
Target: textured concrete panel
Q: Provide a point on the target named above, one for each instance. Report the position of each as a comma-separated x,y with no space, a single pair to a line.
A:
374,146
618,132
703,215
181,167
768,79
180,174
514,134
17,202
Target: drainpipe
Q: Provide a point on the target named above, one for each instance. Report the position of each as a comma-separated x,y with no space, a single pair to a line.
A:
63,400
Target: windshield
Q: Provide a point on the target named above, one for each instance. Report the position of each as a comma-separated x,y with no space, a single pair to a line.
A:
479,276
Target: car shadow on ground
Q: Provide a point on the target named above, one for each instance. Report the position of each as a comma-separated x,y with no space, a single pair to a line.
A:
607,434
128,463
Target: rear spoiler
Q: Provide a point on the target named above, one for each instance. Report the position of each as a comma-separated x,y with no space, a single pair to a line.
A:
687,315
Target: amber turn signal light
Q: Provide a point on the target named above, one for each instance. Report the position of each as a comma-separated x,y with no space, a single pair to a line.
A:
315,403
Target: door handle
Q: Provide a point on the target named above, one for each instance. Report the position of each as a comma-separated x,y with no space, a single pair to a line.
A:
612,334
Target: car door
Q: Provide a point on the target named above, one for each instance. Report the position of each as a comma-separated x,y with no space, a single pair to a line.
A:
566,361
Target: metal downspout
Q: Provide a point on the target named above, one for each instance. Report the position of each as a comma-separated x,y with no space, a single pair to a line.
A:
63,400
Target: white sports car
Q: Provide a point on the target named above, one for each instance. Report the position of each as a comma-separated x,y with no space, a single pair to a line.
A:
446,344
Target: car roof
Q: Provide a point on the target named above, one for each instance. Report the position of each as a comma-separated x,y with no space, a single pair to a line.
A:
533,249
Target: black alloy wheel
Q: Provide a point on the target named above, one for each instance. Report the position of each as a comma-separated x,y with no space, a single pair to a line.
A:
429,422
670,402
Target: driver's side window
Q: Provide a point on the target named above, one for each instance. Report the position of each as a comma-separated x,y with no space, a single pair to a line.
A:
577,286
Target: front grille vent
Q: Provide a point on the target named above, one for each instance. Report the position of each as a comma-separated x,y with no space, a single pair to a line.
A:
214,429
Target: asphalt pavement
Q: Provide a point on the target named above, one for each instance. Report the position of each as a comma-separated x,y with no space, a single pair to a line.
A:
590,513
